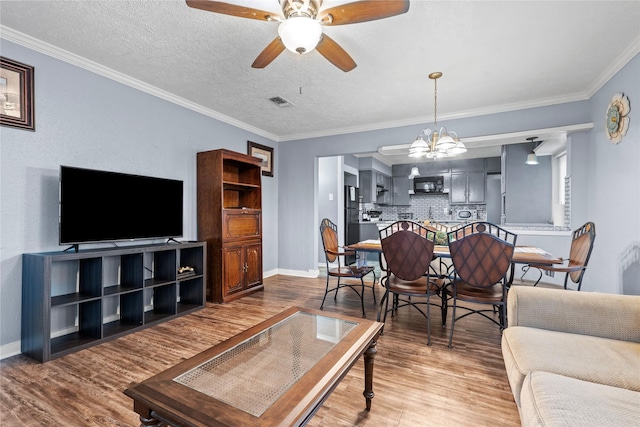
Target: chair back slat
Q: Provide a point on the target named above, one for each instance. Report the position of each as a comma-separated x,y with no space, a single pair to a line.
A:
329,233
481,253
581,247
408,249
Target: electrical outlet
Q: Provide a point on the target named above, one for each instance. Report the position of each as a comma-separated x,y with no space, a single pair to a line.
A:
330,196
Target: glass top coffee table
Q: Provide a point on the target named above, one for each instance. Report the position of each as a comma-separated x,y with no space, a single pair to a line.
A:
276,373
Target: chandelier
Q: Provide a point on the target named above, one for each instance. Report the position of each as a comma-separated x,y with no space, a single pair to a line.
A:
436,143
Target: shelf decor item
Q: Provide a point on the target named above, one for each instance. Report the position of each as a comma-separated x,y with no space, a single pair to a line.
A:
617,122
16,95
265,154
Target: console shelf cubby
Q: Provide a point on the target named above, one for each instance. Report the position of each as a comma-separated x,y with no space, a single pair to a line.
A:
73,300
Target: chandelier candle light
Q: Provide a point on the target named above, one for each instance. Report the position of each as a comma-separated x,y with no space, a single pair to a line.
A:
436,143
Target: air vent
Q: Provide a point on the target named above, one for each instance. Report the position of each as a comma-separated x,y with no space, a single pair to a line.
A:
280,101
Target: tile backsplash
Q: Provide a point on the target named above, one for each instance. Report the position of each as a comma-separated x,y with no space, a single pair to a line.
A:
427,206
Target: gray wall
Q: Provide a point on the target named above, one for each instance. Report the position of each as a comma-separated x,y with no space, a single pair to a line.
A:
528,198
605,178
330,171
613,183
86,120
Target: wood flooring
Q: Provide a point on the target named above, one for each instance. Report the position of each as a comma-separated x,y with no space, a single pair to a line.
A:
414,384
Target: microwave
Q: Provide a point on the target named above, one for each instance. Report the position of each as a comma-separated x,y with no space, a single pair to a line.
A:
429,184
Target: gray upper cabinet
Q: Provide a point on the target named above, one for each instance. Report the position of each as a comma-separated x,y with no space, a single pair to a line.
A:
458,192
367,187
467,187
375,187
436,167
401,186
467,165
476,186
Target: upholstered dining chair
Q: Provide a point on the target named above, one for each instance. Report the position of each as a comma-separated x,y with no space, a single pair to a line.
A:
334,253
408,251
481,253
575,266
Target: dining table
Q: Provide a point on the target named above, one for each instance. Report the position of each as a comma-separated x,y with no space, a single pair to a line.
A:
522,254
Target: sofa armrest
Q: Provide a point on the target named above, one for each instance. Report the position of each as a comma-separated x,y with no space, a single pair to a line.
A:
588,313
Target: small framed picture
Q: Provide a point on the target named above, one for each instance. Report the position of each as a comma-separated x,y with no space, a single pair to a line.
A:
16,95
265,154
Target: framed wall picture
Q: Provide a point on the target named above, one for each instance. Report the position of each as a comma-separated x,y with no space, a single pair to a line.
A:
264,153
16,95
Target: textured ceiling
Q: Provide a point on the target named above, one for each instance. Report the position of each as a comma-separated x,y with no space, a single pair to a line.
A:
495,56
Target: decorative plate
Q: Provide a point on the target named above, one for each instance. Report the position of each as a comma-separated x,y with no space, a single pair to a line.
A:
617,122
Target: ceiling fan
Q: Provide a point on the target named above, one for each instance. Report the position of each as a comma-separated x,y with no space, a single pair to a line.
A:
301,24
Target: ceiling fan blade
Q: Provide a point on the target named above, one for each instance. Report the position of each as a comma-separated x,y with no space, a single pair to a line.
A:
335,54
231,9
363,11
269,53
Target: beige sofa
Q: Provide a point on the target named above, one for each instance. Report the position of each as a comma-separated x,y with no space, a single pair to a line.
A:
573,358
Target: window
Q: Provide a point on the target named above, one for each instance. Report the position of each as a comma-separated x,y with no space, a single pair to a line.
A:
562,173
559,196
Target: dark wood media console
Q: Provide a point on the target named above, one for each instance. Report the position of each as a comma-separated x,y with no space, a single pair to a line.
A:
74,300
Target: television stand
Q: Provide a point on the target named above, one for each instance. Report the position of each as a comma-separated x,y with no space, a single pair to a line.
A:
74,300
75,248
171,239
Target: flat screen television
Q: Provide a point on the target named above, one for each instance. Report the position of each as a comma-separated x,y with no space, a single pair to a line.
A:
101,206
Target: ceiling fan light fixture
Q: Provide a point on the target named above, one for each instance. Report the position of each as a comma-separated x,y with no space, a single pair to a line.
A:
300,34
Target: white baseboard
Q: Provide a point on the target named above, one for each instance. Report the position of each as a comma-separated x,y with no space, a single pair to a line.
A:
312,274
10,350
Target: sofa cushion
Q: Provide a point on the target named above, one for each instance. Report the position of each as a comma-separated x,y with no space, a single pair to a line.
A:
599,360
555,400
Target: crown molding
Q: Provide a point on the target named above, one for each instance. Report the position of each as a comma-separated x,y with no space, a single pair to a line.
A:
78,61
504,108
627,55
63,55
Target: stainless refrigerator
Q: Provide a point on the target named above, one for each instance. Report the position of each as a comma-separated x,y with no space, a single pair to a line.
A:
351,218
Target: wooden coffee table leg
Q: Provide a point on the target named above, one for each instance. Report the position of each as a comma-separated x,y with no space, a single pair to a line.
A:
369,355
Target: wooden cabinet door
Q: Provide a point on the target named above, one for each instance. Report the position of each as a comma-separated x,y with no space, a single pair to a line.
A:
240,224
253,264
233,269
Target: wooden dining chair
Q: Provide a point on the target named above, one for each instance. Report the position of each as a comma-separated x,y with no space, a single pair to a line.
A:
575,266
334,253
408,251
481,253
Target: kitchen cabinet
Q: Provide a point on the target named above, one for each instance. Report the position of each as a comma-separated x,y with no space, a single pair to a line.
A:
375,187
467,187
436,167
230,221
401,186
467,165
